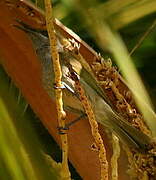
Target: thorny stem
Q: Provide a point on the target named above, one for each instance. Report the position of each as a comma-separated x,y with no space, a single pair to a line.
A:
58,75
94,126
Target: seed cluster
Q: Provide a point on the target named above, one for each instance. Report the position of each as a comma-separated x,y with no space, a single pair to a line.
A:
109,78
141,164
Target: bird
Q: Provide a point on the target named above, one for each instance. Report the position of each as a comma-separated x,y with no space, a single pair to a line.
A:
102,108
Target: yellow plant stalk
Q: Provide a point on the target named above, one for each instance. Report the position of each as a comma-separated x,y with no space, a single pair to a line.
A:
58,76
115,157
94,126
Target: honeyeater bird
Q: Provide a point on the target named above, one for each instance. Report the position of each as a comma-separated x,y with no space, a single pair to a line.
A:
102,108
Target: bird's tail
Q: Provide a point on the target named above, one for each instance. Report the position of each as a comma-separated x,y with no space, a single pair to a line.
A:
131,136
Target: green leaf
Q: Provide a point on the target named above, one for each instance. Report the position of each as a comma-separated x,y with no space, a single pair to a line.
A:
20,151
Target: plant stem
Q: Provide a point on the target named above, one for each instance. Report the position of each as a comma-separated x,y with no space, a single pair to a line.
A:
58,92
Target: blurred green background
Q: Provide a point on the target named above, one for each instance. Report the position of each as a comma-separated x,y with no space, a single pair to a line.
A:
25,130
